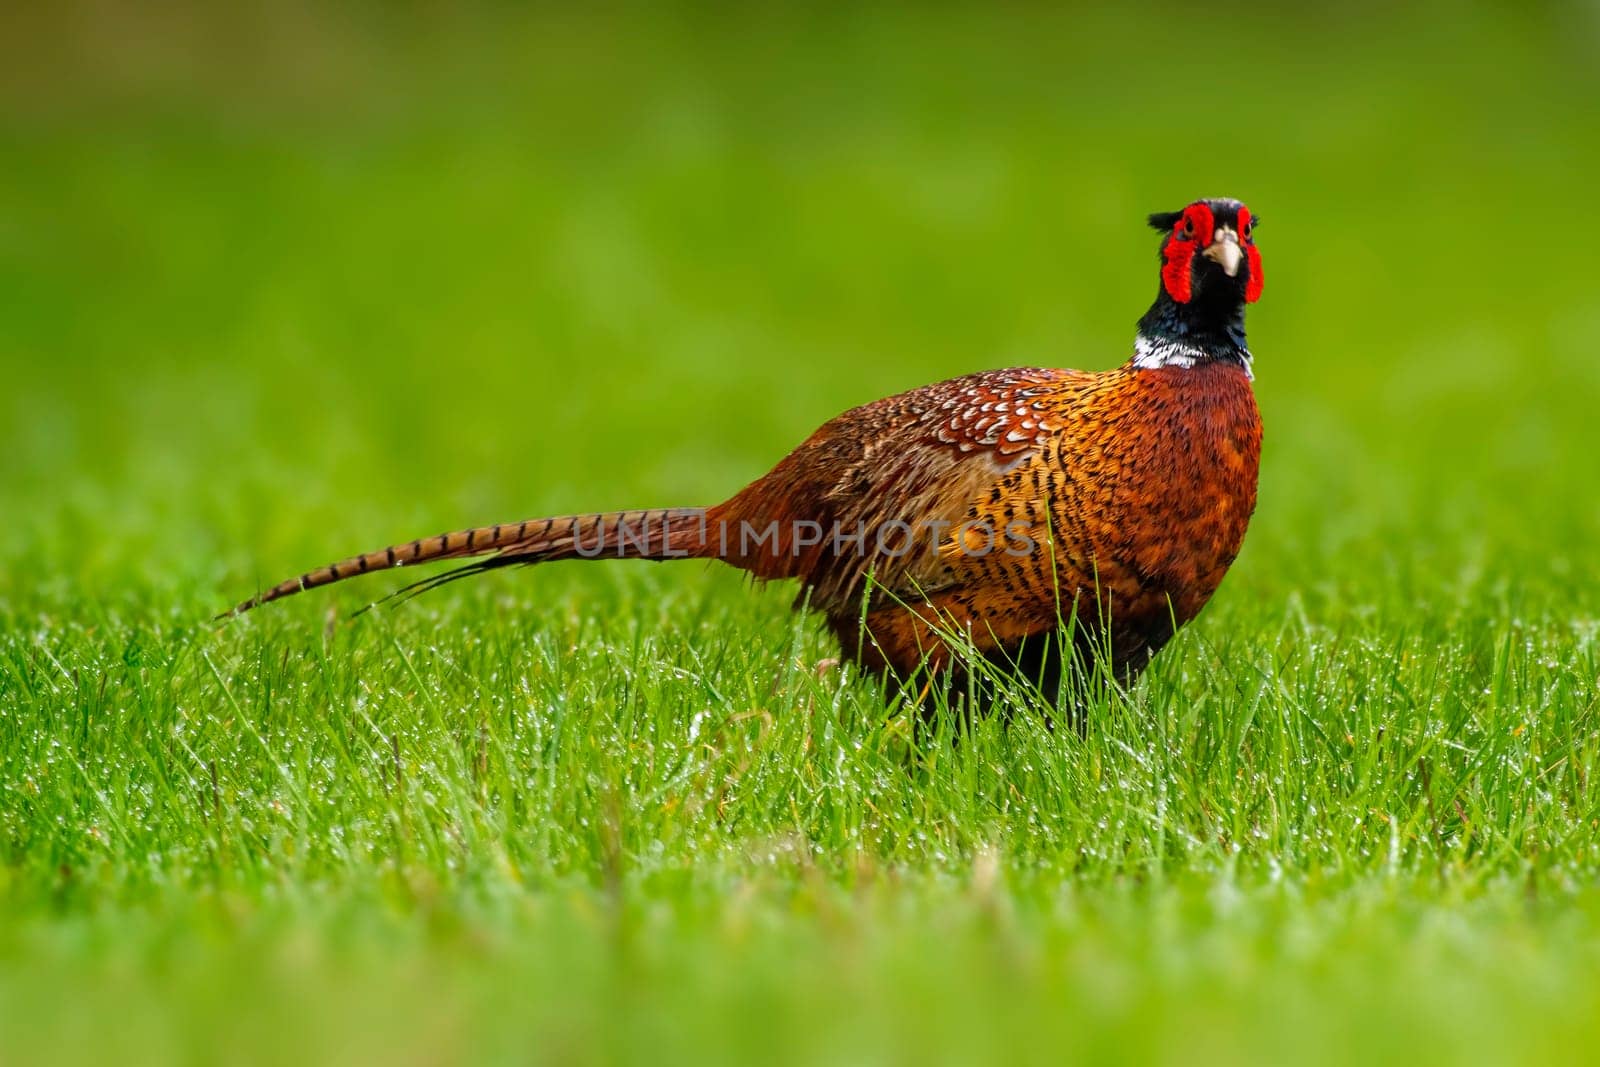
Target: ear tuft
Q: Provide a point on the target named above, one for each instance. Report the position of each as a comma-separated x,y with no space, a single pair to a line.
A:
1165,220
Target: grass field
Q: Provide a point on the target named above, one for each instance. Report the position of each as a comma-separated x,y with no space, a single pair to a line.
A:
277,289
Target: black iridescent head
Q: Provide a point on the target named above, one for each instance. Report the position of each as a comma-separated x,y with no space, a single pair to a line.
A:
1209,254
1210,270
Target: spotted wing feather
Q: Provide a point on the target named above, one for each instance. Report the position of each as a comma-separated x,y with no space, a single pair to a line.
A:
920,459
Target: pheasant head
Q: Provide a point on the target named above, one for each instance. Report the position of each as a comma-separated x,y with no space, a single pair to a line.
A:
1210,269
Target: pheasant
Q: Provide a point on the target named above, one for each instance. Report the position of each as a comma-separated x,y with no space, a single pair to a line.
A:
1023,516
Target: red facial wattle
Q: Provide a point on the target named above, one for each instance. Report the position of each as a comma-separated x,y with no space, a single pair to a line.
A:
1190,233
1252,258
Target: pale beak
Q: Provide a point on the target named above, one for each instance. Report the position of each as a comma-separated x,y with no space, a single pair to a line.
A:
1225,251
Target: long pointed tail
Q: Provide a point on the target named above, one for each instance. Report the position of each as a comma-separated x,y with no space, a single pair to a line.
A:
661,533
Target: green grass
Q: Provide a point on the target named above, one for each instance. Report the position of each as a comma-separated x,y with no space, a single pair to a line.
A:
273,292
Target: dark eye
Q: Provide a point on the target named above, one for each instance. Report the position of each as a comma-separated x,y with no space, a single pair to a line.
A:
1188,227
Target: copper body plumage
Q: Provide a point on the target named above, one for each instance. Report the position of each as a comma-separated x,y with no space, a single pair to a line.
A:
989,513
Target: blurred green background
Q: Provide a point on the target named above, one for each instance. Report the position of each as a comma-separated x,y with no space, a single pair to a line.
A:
289,282
280,282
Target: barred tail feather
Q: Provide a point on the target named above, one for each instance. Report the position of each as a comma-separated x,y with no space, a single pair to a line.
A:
660,533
